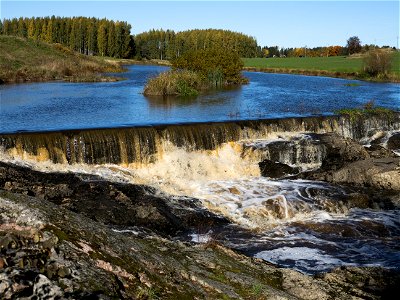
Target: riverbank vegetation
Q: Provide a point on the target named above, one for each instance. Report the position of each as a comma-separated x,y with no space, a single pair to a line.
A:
367,110
24,60
196,71
356,66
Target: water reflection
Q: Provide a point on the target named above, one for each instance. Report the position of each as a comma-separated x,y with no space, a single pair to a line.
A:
224,96
169,102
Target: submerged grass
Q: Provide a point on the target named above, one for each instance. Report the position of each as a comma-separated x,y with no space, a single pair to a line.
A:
29,60
361,113
352,84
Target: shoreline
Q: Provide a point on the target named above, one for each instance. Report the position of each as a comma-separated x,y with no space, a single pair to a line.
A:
99,78
320,73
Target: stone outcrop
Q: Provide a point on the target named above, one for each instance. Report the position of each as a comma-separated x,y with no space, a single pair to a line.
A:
393,142
109,202
274,169
48,250
348,162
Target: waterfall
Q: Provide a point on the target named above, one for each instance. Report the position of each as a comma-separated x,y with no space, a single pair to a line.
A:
144,145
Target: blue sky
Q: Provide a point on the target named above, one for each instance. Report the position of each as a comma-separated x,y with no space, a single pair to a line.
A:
282,23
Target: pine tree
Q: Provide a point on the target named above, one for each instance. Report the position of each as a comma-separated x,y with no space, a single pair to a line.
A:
102,38
111,40
49,34
31,29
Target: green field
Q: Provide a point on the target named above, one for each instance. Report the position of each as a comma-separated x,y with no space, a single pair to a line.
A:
342,64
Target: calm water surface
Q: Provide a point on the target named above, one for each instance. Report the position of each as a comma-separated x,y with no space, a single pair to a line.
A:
61,105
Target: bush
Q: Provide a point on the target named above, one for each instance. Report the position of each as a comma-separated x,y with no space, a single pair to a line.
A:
378,62
217,67
175,82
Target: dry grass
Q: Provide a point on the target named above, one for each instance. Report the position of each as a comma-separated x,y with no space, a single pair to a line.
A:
28,60
179,83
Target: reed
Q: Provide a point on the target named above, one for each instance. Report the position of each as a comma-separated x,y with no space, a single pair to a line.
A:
176,82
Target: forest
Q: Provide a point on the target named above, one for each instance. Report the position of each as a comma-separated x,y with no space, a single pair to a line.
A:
103,37
88,36
166,44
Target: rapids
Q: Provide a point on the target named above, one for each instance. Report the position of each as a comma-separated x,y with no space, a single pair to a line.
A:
309,226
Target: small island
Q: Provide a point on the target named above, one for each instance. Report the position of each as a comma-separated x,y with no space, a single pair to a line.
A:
197,71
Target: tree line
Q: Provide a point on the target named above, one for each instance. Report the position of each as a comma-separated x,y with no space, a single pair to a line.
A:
166,44
92,36
353,46
275,51
88,36
104,37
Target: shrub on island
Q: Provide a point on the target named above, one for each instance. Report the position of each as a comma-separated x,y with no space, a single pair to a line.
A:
174,82
198,70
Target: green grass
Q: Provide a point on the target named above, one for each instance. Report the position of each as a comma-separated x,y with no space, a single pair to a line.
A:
317,65
334,63
357,113
28,60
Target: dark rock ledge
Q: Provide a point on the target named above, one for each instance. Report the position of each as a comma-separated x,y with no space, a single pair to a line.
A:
53,247
49,251
110,203
348,162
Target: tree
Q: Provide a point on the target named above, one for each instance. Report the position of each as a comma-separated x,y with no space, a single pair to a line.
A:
31,29
111,39
102,38
353,45
378,62
50,32
217,66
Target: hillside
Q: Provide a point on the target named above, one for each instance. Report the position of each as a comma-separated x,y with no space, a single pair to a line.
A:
28,60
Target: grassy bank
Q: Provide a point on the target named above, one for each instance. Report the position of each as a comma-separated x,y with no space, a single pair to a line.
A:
335,66
28,60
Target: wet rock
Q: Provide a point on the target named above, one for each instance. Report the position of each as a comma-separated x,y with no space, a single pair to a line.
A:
394,142
347,162
340,151
89,260
274,169
108,202
377,151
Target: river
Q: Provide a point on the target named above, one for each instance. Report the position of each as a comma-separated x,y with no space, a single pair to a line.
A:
298,224
61,105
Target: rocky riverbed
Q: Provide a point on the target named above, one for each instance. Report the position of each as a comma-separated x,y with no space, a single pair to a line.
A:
79,236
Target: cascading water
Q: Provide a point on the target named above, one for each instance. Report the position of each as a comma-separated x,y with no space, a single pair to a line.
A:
311,226
145,144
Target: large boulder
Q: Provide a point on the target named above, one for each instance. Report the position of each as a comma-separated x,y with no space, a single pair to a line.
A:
348,162
275,169
393,142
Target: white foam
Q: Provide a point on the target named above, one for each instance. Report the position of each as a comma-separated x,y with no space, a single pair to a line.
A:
226,181
201,238
301,257
126,231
